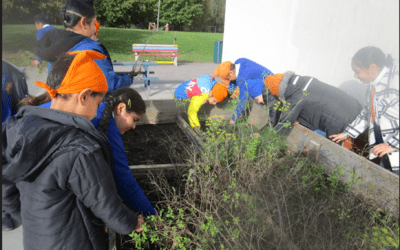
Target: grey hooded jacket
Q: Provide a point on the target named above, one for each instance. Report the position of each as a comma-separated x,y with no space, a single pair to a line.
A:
314,104
57,181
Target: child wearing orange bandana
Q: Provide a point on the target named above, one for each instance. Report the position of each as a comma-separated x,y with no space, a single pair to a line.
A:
57,167
248,76
199,91
314,104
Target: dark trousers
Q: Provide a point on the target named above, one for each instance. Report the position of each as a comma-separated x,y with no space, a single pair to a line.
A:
385,162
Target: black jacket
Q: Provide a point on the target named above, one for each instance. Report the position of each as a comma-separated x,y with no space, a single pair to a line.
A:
56,42
57,180
314,104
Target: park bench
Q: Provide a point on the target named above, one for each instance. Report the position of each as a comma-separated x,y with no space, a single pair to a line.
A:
157,50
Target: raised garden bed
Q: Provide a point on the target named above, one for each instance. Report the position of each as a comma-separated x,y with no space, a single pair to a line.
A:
300,140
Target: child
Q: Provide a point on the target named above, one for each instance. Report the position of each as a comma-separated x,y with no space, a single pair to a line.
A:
79,19
42,26
57,168
120,113
314,104
248,76
199,91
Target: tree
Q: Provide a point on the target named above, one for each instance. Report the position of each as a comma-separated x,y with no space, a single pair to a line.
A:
180,13
23,11
114,12
117,13
215,14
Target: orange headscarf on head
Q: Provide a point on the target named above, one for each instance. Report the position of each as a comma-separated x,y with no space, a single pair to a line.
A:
219,91
272,83
82,73
223,69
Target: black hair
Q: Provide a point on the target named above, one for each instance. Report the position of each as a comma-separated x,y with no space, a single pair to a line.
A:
368,55
39,18
132,99
74,10
232,66
56,75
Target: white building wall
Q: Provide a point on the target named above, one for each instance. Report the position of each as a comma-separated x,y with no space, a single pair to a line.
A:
310,37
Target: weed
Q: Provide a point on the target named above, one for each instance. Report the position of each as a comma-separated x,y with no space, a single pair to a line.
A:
244,192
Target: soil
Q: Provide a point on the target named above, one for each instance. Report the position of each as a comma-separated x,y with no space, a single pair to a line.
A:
149,145
155,144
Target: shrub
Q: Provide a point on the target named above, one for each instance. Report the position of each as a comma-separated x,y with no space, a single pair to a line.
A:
248,192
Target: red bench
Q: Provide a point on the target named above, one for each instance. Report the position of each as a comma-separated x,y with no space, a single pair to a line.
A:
157,50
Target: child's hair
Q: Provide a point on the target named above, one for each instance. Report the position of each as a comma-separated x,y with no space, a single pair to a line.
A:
232,66
39,18
56,75
74,10
368,55
132,100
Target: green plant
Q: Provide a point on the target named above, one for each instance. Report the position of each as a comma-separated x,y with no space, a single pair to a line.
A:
246,192
383,234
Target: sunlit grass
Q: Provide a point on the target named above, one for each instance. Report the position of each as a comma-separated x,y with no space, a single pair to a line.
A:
18,42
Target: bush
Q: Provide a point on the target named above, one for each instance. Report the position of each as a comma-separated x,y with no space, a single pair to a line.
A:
247,192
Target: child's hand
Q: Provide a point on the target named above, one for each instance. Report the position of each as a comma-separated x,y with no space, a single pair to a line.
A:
36,63
339,137
235,93
138,227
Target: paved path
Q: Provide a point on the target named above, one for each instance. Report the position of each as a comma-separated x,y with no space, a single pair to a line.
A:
169,78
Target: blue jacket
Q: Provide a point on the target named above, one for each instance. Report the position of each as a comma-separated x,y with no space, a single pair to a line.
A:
39,34
201,85
56,42
250,81
127,186
114,80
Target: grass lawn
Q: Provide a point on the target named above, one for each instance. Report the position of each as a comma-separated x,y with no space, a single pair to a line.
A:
18,42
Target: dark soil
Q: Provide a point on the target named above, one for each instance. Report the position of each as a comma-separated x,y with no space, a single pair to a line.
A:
155,144
150,145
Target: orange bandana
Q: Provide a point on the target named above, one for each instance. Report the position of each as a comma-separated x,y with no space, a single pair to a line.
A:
223,69
97,27
272,83
219,91
82,73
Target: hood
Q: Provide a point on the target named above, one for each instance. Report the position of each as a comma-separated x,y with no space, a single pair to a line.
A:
31,138
284,84
55,42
